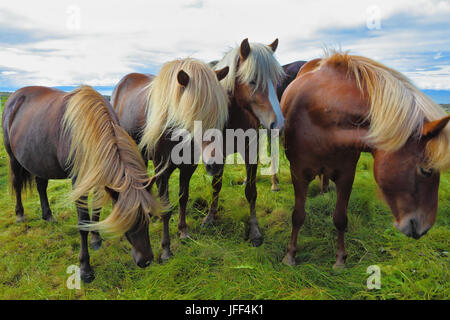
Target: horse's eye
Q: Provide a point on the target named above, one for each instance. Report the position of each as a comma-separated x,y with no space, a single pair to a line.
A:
253,83
425,172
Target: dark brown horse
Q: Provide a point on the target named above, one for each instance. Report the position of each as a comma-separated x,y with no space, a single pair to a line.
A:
189,80
343,105
50,134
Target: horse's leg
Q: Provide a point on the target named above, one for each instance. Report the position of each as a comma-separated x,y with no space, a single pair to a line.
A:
324,184
96,239
343,190
217,186
41,185
86,271
254,234
275,187
185,177
162,182
298,217
17,184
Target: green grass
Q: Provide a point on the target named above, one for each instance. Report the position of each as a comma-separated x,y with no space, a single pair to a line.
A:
218,263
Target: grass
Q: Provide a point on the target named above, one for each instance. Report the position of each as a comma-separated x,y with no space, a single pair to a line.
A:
217,263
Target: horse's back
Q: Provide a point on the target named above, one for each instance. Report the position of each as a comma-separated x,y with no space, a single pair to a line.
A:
32,127
129,100
291,71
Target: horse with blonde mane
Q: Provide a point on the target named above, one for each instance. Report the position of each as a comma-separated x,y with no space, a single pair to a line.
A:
250,84
50,134
342,105
152,109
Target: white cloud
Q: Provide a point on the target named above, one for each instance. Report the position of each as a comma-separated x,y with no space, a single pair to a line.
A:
117,37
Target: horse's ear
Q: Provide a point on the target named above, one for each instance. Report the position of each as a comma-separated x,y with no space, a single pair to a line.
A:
274,45
245,49
183,78
222,73
433,128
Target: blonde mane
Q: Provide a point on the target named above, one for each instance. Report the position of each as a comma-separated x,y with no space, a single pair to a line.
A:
103,155
172,106
397,109
260,67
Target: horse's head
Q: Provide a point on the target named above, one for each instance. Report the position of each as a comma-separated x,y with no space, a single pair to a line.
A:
137,233
212,154
408,185
256,80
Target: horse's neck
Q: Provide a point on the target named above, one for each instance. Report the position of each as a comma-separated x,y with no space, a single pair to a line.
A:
239,117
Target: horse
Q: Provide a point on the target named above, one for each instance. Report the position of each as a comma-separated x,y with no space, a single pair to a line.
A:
150,108
250,84
342,105
50,134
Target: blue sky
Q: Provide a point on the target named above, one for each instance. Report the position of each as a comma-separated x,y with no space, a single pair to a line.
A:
66,43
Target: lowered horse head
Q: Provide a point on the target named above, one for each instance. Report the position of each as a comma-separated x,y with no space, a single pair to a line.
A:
186,92
102,154
252,80
408,137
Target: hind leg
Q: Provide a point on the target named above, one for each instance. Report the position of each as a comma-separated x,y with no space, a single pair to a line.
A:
217,186
17,184
41,185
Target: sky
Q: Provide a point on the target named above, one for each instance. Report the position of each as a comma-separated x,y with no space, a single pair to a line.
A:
69,43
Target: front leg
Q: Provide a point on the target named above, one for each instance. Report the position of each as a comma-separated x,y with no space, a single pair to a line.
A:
217,186
162,181
254,234
186,172
86,271
96,239
298,216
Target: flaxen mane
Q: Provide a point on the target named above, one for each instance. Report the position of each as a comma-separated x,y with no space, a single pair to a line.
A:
172,106
398,109
103,155
260,67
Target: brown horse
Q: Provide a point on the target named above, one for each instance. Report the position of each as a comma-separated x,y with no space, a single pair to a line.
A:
195,94
342,105
251,82
50,134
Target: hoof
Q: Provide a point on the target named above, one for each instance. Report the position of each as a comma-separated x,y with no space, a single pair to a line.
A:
275,188
289,260
208,221
96,243
87,277
256,242
166,255
184,235
49,218
20,219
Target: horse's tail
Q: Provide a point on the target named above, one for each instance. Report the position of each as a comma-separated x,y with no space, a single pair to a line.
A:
102,154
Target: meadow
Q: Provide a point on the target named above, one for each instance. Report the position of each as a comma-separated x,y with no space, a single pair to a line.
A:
217,262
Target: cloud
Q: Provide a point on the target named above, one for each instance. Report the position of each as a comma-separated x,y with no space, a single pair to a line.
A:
69,42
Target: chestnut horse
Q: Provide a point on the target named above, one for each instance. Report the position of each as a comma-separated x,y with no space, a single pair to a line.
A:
50,134
151,108
342,105
251,82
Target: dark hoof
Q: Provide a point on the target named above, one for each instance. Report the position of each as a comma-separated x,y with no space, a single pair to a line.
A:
96,243
49,218
166,255
275,188
207,221
87,277
20,219
289,260
256,242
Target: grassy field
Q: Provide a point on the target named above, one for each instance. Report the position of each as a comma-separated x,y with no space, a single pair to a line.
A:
217,263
